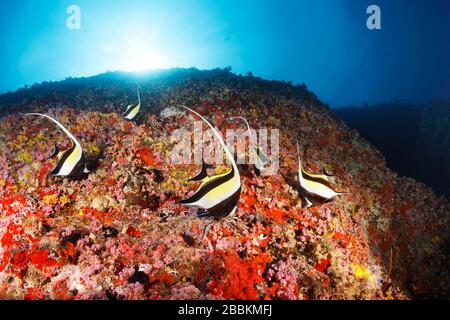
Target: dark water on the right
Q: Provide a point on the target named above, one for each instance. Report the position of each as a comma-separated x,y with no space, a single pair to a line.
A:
415,140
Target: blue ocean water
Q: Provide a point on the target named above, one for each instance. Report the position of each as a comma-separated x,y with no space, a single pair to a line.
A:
323,43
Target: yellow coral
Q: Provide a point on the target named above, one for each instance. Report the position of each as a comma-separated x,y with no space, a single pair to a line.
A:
305,115
23,180
24,156
389,293
40,136
51,199
159,146
64,200
363,273
92,147
221,169
436,239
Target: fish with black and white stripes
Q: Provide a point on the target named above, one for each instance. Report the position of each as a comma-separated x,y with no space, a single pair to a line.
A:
218,195
132,110
261,160
314,185
71,162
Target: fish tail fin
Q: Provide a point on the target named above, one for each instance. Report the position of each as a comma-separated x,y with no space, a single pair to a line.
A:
202,174
55,151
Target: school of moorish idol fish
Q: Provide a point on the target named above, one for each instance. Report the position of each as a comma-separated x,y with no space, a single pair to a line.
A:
218,195
111,218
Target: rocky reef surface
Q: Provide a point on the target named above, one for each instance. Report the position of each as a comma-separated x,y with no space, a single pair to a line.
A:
121,233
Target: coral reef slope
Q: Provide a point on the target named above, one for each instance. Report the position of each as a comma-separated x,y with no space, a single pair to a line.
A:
121,232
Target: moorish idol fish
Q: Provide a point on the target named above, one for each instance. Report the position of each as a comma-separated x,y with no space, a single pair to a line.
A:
219,194
261,160
71,162
315,185
133,109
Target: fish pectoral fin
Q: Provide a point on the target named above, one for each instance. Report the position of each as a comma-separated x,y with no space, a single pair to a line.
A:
202,173
55,152
54,171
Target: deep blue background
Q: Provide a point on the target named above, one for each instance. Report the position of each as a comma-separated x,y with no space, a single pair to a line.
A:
323,43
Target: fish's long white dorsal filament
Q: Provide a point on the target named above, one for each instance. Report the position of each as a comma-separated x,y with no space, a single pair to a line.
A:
299,164
71,136
248,127
139,96
256,149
